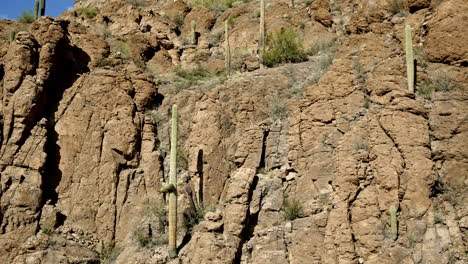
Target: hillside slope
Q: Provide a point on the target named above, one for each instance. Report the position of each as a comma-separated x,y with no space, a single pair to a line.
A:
297,163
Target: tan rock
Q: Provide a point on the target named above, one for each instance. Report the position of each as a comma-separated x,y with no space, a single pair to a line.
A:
447,26
320,12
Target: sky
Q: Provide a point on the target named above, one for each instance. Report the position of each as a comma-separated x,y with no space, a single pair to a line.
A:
11,9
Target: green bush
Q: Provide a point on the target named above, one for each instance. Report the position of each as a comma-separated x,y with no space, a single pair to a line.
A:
292,209
283,46
124,48
179,21
26,16
216,5
88,12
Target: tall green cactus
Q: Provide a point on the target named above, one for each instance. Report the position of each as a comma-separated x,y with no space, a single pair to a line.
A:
393,222
11,37
227,48
409,59
261,41
42,8
36,9
173,182
193,36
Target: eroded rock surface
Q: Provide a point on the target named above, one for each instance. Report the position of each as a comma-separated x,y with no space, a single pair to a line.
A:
339,138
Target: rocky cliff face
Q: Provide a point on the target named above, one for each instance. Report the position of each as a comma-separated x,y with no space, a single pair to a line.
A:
296,164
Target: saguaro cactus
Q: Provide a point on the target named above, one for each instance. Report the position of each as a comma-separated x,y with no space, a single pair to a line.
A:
261,41
11,37
171,187
409,59
393,222
227,48
173,182
193,36
36,9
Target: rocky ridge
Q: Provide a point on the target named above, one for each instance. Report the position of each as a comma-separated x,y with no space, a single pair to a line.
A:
85,122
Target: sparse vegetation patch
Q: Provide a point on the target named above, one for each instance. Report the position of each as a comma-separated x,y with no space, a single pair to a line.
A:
88,12
216,5
109,252
26,17
436,82
137,3
284,46
195,216
292,209
396,7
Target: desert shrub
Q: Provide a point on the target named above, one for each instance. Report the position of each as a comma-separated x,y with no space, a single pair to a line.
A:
103,62
278,108
124,48
137,3
327,45
48,231
144,239
178,20
237,62
396,6
438,219
442,82
159,211
283,46
425,90
109,253
195,216
232,21
366,103
26,16
186,78
421,56
439,82
292,209
336,7
216,5
103,31
88,12
196,74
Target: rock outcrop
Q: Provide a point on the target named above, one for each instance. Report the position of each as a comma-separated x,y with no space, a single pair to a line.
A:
294,164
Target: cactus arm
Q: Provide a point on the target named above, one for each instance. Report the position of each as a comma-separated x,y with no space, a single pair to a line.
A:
409,59
393,222
173,182
193,25
36,9
227,49
168,188
261,41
